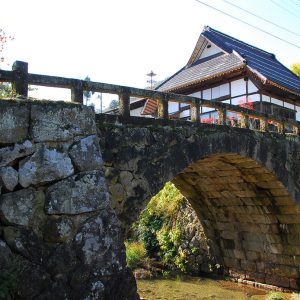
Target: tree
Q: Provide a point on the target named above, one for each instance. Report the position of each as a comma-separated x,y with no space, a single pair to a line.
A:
4,39
296,68
5,88
87,94
113,104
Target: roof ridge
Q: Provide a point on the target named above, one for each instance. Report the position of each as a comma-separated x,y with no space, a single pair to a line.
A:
209,29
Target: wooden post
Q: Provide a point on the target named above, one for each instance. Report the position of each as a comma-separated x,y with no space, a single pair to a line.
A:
263,124
77,92
245,121
195,114
163,108
20,84
124,105
222,116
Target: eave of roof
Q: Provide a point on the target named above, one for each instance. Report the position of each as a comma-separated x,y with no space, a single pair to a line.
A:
259,60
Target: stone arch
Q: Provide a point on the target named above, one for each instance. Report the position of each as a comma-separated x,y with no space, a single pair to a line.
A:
250,220
139,160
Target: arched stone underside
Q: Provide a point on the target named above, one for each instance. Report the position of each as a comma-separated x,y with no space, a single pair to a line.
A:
243,185
250,220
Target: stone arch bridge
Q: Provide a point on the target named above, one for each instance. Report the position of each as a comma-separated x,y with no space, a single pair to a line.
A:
57,216
68,177
243,184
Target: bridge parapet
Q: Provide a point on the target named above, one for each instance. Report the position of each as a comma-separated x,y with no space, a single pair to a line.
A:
20,79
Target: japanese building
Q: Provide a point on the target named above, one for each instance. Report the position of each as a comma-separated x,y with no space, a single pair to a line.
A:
225,69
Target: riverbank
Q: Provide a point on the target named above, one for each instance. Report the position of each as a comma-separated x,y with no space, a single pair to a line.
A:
195,288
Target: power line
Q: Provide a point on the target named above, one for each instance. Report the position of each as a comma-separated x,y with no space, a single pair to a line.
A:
257,28
284,8
259,17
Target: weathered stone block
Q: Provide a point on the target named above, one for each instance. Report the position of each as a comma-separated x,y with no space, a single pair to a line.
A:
59,230
248,265
5,254
21,207
8,178
10,154
86,154
278,280
14,121
253,255
45,165
289,219
81,193
60,121
232,263
26,242
99,245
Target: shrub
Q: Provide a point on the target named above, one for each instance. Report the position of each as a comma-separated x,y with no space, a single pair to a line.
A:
275,296
135,253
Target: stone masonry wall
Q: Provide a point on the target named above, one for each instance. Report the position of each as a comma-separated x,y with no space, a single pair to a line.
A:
194,244
244,186
59,236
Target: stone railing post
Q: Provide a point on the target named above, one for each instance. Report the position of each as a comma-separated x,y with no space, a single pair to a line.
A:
163,108
77,92
263,125
124,105
280,128
244,121
195,112
222,116
296,129
20,84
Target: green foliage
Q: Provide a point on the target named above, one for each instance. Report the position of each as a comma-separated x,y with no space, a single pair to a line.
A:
296,68
5,90
169,240
166,202
113,104
275,296
135,253
147,228
157,228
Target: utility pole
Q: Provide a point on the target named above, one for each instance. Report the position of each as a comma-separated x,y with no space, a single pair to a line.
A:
151,81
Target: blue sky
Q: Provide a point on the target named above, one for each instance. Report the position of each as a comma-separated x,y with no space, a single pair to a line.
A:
117,41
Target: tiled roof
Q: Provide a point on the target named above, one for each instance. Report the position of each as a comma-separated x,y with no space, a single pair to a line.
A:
201,70
237,54
261,61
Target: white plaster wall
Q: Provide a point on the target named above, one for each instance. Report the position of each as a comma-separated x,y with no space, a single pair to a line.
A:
297,113
276,101
210,51
221,90
266,98
173,107
251,87
197,94
185,114
288,105
238,87
207,94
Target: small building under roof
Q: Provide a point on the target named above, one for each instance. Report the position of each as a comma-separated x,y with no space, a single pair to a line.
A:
223,68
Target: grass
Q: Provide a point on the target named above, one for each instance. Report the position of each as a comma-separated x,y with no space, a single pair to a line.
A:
135,253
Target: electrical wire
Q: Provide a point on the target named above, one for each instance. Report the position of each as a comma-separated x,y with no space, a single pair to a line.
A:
259,17
257,28
284,8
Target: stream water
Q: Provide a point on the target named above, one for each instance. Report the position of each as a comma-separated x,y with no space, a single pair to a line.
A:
192,288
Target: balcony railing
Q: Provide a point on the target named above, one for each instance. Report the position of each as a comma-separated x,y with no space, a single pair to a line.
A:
20,79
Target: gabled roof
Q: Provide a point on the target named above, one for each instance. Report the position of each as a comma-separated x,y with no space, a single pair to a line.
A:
203,69
234,54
